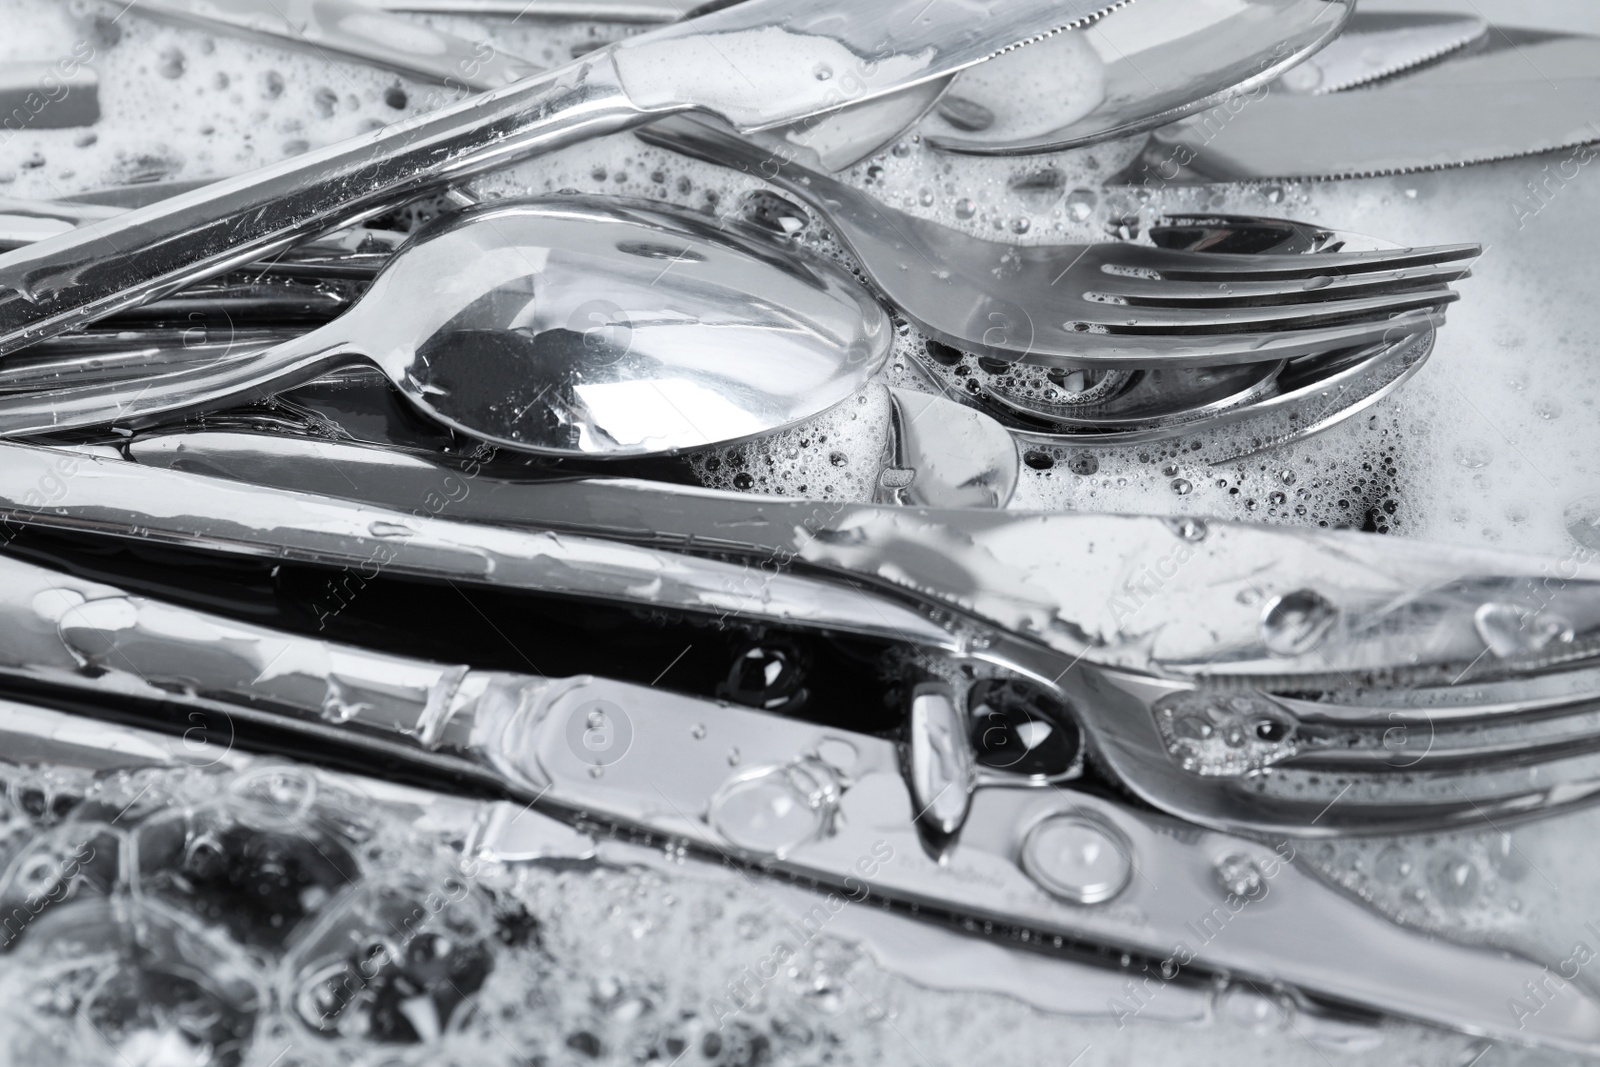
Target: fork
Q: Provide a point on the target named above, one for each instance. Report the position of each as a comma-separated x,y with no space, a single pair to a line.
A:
1111,304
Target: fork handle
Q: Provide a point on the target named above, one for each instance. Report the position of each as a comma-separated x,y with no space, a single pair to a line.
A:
104,267
709,143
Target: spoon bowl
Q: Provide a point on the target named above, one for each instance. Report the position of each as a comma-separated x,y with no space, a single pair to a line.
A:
565,327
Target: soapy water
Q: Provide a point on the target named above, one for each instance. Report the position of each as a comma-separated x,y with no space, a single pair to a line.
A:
274,915
1491,444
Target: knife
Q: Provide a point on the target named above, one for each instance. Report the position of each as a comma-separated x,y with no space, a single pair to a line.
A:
1394,129
1126,616
499,831
1513,55
757,65
780,793
1524,95
1382,44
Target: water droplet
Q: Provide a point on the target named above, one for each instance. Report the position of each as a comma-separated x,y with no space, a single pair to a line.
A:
1393,865
1286,477
1021,225
699,731
1182,486
1083,465
823,72
1295,623
1240,876
1081,204
172,63
1508,632
964,114
1040,189
1454,879
1039,461
1474,455
966,207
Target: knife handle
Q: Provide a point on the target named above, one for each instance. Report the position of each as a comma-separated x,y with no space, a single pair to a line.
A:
104,267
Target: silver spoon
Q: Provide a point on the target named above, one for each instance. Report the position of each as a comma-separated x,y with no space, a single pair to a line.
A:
565,327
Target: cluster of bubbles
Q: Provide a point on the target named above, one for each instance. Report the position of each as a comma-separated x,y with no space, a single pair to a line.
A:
272,916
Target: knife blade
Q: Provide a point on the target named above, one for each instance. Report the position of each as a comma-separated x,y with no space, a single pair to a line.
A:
1382,44
1395,129
1517,56
758,65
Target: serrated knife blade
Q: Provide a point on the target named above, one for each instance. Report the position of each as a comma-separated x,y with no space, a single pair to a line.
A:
1383,44
1393,130
1517,56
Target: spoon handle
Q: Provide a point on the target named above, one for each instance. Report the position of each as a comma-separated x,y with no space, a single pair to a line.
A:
252,371
105,266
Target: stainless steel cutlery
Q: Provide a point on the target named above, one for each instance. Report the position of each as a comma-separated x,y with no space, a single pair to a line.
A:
1513,94
562,327
1112,304
757,64
802,798
235,406
1144,65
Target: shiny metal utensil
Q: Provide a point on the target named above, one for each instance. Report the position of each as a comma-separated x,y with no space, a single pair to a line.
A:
353,252
804,799
945,455
361,32
1538,93
1145,65
356,30
1243,617
757,64
506,832
566,326
117,357
1284,400
1382,44
1510,54
1106,305
938,454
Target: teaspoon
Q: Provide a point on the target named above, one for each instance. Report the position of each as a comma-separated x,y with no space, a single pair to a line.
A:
567,326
